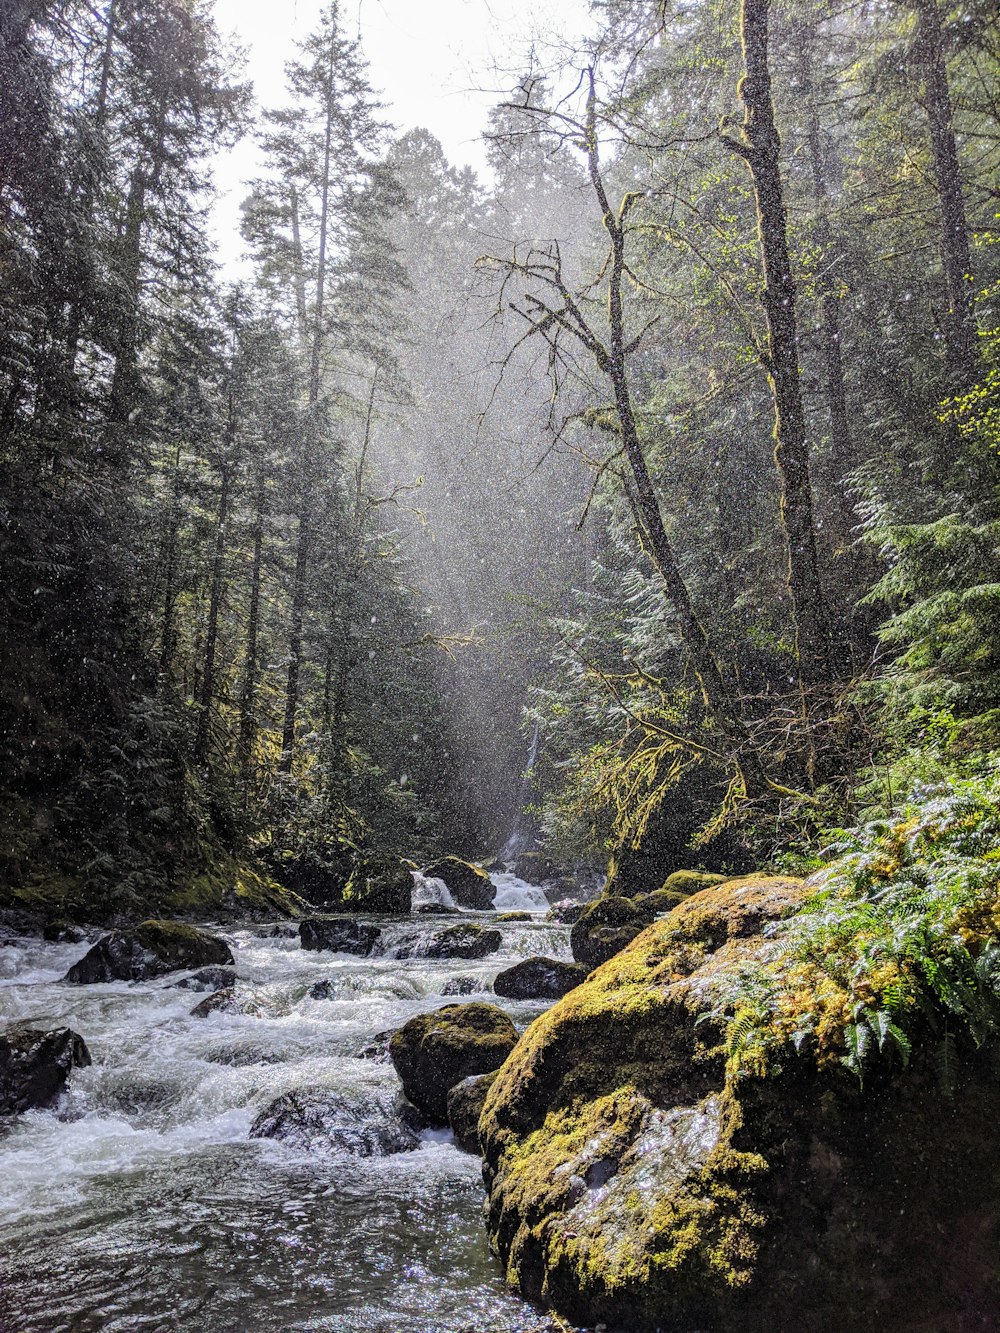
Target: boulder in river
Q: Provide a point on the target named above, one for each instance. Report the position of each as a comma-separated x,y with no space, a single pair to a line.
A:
338,934
378,884
464,941
534,867
468,884
231,1001
509,918
435,1051
539,978
465,1106
149,950
208,979
464,985
604,927
634,1180
322,1120
565,912
63,932
34,1066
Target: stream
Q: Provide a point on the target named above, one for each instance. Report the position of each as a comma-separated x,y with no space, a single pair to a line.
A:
140,1203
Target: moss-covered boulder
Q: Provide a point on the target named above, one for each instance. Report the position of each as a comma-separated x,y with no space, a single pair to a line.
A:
605,927
465,1106
509,918
435,1051
566,912
534,867
150,949
468,884
686,882
646,1170
539,978
378,884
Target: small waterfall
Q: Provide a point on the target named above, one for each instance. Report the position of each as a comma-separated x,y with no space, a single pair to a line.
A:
430,892
522,831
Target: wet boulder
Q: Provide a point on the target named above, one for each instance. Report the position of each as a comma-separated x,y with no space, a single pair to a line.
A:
509,918
208,979
468,884
151,949
465,1106
63,932
435,1051
376,1050
565,912
319,1120
338,934
539,978
685,882
534,867
605,927
464,985
380,884
464,941
34,1066
231,1001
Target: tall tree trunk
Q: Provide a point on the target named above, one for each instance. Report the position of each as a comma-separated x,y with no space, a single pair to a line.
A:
956,256
167,630
217,587
251,665
760,150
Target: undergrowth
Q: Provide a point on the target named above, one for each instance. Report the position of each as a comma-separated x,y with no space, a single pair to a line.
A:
899,945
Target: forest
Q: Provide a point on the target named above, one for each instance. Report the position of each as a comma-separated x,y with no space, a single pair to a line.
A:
620,523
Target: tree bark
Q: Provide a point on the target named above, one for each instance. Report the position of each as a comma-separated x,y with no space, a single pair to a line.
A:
251,666
761,149
956,256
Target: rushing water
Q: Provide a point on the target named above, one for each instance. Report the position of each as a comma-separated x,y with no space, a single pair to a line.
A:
140,1202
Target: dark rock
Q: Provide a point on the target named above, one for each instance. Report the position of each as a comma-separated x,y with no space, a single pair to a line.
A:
510,917
378,884
565,912
63,932
230,1001
34,1066
320,1120
465,941
377,1049
468,884
434,1051
436,909
338,934
465,1106
539,979
149,950
604,928
533,867
208,979
464,986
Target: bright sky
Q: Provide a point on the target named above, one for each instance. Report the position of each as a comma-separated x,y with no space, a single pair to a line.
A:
440,65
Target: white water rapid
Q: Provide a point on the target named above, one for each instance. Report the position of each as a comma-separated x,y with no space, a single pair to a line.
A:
140,1202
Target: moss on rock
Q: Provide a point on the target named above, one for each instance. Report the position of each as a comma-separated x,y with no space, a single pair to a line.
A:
637,1177
468,884
433,1052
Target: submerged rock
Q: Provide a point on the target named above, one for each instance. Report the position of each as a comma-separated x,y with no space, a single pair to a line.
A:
539,979
565,912
632,1181
321,1120
338,934
464,986
149,950
34,1066
465,1106
230,1001
468,884
208,979
377,1049
435,1051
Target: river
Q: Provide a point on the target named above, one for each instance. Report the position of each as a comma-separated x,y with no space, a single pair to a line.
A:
140,1202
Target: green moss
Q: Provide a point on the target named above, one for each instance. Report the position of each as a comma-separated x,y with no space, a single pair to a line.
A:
686,882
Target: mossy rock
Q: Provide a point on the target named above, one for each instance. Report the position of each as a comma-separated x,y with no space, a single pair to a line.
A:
633,1180
150,949
380,884
511,917
539,978
534,867
686,882
466,940
605,927
465,1106
435,1051
468,884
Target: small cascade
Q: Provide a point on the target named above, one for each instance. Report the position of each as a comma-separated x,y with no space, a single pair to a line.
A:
522,832
430,892
516,895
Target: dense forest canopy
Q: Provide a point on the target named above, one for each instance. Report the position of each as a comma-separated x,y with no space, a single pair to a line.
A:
673,440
